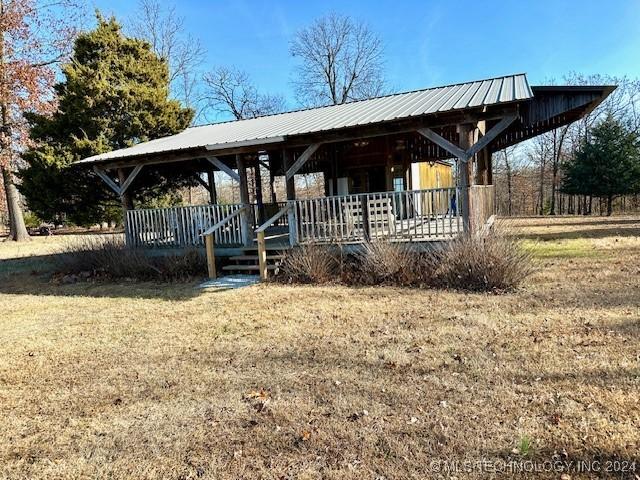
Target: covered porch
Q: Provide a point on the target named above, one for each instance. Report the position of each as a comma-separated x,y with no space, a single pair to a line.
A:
411,167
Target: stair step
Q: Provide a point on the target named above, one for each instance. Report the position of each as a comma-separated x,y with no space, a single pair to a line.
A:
255,257
268,249
234,268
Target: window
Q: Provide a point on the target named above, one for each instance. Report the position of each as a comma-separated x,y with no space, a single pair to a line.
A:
398,184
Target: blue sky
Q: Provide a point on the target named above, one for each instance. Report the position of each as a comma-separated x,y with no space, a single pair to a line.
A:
428,42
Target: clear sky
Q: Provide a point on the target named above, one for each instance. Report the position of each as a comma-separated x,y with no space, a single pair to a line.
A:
427,42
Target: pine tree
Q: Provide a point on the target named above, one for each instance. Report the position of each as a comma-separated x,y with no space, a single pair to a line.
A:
115,94
607,165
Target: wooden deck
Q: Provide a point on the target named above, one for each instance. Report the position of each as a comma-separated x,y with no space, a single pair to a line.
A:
408,216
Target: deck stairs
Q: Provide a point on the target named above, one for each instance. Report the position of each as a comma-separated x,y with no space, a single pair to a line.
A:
248,262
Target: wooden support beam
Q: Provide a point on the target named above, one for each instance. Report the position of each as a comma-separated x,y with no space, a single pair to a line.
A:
455,150
262,255
224,167
496,130
291,196
302,159
132,176
466,154
245,223
211,180
124,181
464,171
257,174
211,255
201,181
107,179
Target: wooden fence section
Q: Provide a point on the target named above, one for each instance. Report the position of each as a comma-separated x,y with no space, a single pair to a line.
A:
481,205
408,215
181,226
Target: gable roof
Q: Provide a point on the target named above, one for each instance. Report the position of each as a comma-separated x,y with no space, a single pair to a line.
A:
276,128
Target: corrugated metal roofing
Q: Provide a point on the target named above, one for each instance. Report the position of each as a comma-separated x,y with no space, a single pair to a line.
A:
274,128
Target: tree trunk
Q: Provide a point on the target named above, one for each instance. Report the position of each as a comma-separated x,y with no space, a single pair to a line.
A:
17,229
609,205
541,193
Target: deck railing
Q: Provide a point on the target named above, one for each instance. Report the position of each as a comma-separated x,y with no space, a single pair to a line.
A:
181,226
398,216
408,215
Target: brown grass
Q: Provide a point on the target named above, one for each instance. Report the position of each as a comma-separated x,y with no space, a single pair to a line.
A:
138,380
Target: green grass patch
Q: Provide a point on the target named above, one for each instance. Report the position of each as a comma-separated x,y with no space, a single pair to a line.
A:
574,248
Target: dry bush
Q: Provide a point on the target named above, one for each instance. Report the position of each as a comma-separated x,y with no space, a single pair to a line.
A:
391,263
492,262
310,264
109,257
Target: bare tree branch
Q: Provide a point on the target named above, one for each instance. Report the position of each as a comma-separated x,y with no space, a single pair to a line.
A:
340,60
230,91
164,29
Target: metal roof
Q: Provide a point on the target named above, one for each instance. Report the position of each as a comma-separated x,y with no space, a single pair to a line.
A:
274,128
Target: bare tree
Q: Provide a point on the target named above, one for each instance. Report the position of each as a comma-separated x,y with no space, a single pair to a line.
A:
230,91
164,29
340,60
505,159
35,35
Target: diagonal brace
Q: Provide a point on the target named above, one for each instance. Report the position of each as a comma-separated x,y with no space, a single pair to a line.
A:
119,189
215,161
466,155
302,159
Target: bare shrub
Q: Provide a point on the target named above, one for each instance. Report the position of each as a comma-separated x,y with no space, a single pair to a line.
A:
390,263
310,264
492,262
109,257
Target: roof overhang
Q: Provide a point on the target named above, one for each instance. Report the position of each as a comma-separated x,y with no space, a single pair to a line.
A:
539,109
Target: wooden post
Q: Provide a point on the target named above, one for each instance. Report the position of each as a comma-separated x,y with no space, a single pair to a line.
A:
245,223
125,197
464,171
388,169
211,257
262,256
272,179
259,199
211,180
127,204
291,196
364,205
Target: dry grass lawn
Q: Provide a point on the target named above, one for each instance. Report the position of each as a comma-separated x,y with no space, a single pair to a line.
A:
139,380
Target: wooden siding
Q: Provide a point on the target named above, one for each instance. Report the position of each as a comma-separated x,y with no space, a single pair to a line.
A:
437,175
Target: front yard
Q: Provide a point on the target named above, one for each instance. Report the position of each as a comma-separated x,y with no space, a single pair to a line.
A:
141,380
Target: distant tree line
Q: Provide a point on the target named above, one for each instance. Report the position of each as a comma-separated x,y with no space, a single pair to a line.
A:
591,166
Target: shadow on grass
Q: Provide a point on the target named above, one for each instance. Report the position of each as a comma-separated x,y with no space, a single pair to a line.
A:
583,233
588,222
33,276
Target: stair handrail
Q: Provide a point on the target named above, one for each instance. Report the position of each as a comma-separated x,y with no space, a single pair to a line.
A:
281,213
262,244
209,240
223,222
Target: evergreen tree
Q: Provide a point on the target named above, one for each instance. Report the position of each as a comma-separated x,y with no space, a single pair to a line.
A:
607,165
115,94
